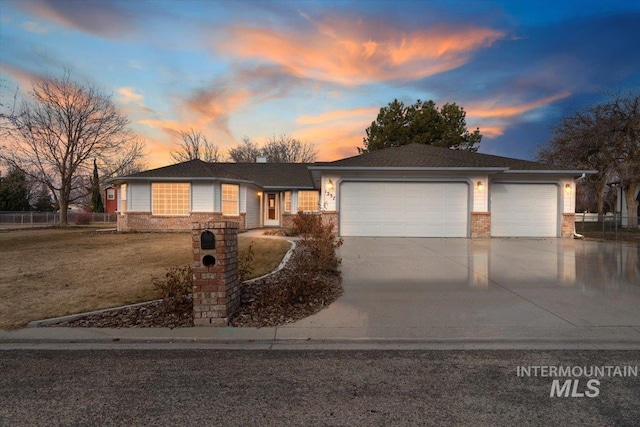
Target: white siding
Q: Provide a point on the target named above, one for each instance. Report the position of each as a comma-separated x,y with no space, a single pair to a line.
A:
480,199
252,220
396,209
243,198
202,197
139,197
217,197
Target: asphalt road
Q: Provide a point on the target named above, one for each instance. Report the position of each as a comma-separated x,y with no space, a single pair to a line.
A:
245,388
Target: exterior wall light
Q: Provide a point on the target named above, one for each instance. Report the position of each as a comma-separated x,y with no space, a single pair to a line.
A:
330,185
567,188
259,193
480,186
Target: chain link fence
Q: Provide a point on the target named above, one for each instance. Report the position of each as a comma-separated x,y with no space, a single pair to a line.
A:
41,219
607,227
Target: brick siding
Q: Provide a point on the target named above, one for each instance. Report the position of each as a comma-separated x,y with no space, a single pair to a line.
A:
145,221
480,224
568,224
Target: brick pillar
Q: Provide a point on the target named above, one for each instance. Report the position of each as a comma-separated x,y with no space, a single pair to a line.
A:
568,224
216,287
480,224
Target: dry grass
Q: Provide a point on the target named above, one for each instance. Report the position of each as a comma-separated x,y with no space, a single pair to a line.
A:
267,254
54,272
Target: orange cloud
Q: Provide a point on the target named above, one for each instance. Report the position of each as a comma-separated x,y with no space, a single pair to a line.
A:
491,109
492,131
23,77
338,115
354,52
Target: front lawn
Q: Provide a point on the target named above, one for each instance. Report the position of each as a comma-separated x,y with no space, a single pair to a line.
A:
53,272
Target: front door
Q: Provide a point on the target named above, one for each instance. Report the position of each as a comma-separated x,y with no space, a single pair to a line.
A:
272,214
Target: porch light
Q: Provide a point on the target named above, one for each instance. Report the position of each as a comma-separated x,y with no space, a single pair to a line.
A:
330,185
567,188
480,186
259,193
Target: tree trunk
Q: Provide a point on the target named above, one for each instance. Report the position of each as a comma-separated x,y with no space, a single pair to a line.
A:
601,190
64,205
632,205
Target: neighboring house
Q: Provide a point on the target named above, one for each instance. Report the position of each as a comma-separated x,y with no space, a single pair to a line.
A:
110,199
414,190
621,205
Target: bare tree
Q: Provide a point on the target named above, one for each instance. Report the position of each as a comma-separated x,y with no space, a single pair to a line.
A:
8,113
580,141
604,137
285,149
60,130
624,118
245,152
194,145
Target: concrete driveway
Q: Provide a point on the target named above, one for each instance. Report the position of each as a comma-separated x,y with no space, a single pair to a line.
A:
558,289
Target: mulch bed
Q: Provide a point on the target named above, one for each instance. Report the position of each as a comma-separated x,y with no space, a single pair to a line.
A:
264,302
257,308
151,315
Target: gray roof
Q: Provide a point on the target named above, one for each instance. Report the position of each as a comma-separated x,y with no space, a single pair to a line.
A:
266,175
428,156
298,175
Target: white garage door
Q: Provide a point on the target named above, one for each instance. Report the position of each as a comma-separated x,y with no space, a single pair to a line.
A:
524,210
396,209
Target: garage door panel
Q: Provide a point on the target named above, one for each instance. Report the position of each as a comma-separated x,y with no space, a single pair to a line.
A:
404,209
524,210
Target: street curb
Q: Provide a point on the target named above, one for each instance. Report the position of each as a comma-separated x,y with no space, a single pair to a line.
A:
363,344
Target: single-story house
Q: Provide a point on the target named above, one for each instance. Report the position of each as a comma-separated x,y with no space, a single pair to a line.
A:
110,199
413,190
621,204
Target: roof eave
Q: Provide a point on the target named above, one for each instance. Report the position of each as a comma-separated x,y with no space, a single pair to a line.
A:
406,169
551,172
123,179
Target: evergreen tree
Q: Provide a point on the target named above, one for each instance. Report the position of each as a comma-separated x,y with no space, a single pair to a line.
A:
14,191
96,196
421,123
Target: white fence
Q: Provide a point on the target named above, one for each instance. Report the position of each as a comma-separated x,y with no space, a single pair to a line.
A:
35,219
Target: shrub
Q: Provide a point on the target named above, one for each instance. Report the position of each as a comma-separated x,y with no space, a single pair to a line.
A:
83,218
176,287
320,240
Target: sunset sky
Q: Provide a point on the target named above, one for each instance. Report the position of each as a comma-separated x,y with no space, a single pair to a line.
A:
320,70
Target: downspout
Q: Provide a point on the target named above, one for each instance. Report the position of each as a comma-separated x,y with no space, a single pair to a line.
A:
576,235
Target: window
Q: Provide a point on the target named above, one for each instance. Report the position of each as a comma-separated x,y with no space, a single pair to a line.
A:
287,201
230,206
308,201
171,198
111,194
123,198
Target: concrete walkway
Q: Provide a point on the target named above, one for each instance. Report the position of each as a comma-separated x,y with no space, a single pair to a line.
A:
432,294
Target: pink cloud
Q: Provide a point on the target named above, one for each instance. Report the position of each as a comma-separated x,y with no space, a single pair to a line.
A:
102,18
494,109
356,51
